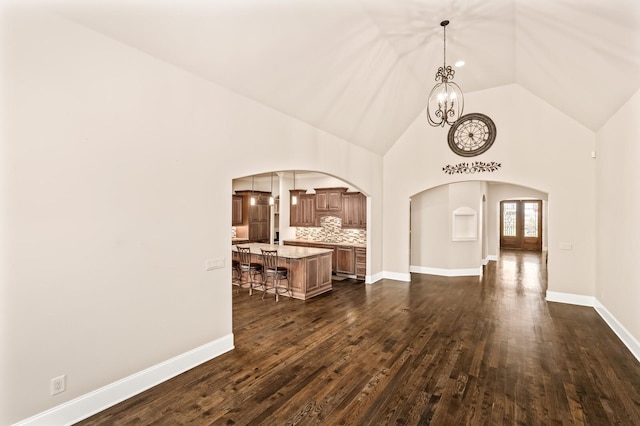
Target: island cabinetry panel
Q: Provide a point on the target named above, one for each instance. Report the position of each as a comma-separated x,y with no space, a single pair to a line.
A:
354,210
317,245
361,262
345,259
311,276
311,272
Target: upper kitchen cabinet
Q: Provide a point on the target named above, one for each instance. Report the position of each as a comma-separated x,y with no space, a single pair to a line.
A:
308,204
354,210
303,213
350,207
329,199
236,215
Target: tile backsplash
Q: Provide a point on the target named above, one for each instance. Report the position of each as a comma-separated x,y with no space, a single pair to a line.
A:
331,231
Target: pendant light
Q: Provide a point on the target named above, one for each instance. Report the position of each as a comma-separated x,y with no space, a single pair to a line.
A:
294,198
446,102
271,199
252,200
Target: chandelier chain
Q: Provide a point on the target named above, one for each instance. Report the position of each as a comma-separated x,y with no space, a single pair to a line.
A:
444,50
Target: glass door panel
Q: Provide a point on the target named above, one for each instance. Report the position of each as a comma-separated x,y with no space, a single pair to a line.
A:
509,219
531,219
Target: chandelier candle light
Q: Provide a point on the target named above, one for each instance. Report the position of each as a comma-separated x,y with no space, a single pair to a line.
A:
446,101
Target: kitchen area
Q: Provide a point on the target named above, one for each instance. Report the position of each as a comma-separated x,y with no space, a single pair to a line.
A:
303,210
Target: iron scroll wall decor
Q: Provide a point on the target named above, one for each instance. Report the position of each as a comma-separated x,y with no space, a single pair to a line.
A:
475,167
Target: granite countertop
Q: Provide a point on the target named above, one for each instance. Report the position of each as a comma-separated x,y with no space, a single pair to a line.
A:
291,252
343,244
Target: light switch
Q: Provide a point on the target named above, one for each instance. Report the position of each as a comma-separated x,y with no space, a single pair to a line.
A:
211,264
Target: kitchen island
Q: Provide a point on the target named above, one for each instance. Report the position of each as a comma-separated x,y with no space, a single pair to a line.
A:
349,258
309,268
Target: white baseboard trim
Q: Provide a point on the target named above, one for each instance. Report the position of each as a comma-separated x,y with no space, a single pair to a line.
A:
575,299
571,299
492,257
398,276
627,338
370,279
100,399
446,272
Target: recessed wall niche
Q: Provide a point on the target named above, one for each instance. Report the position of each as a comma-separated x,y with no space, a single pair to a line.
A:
465,224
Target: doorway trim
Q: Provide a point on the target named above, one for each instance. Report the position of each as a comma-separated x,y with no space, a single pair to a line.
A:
520,240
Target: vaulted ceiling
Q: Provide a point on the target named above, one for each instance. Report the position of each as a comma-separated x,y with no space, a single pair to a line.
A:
362,69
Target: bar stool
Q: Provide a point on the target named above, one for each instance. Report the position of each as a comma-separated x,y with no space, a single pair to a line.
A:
276,273
251,268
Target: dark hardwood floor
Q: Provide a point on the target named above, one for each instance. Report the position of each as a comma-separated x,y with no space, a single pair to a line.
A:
442,351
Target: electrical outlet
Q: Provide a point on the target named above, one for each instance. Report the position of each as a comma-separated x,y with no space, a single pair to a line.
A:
58,384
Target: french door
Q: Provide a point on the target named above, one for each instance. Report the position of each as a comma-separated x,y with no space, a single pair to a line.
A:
521,224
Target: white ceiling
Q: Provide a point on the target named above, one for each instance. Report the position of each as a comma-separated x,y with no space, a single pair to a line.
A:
362,69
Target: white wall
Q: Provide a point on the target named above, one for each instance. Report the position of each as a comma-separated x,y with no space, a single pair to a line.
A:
429,214
116,189
618,210
538,147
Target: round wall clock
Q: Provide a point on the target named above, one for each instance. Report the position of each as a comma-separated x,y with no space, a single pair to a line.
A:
472,134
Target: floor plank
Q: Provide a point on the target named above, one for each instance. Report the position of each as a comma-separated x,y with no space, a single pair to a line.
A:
464,350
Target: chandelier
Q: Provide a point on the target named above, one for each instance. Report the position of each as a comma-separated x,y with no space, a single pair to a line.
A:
446,101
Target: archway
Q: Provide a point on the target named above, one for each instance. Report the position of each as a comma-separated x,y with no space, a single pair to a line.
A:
454,228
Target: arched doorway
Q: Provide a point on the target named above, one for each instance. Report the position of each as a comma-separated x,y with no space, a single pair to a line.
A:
434,247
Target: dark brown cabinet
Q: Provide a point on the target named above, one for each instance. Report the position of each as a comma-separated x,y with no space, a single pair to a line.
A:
329,199
351,207
308,205
236,208
354,210
345,260
295,210
303,213
316,245
256,215
361,262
